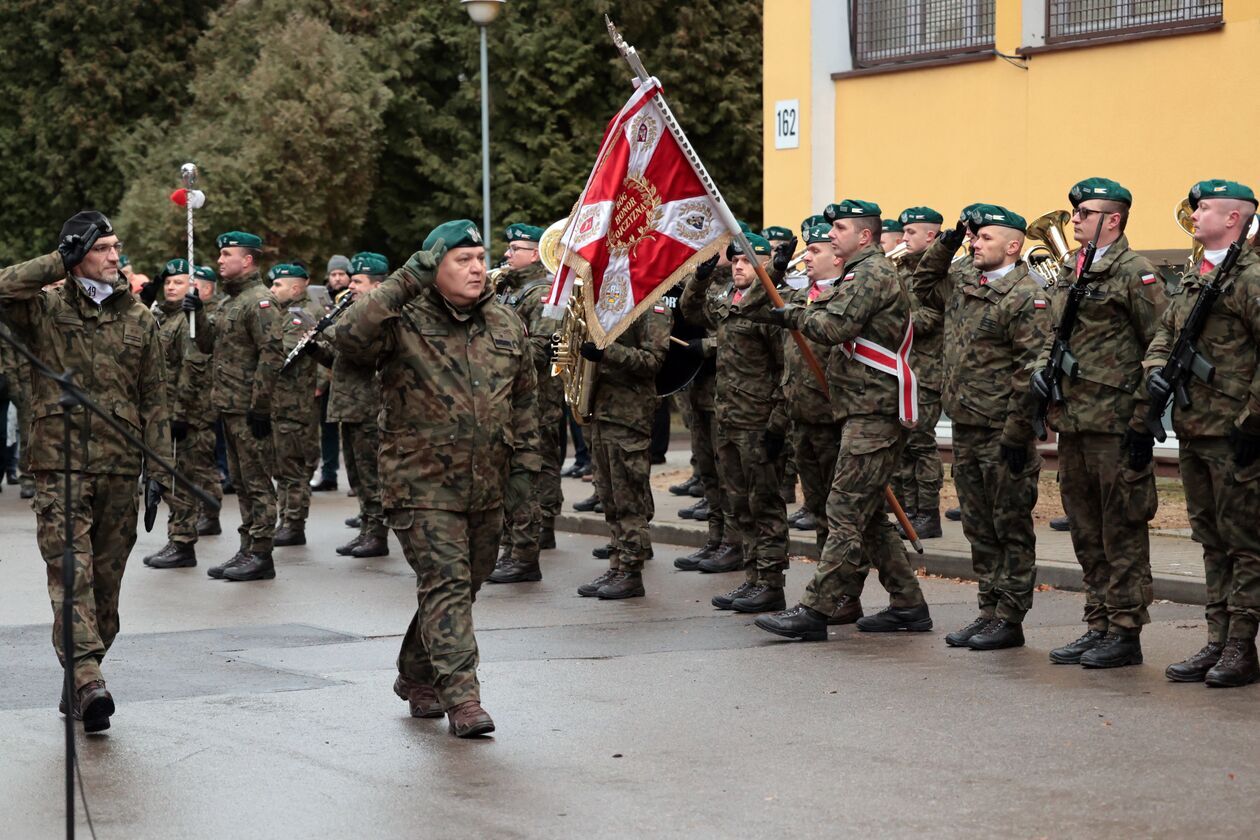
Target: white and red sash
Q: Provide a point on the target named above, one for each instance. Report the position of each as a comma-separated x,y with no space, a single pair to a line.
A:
894,364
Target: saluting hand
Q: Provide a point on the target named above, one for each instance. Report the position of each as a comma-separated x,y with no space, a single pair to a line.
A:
705,270
73,247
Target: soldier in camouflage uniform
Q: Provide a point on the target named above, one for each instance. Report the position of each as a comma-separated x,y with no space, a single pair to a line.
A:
623,402
1218,435
294,409
93,326
749,370
919,480
237,336
869,302
459,448
995,322
18,370
198,449
354,401
1106,474
525,284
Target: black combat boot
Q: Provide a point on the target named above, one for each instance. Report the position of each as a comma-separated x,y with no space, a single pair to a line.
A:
258,566
516,571
160,553
1071,654
892,619
588,590
1115,651
1061,523
692,561
1196,666
848,610
355,522
762,597
547,535
723,602
806,522
953,514
182,557
684,488
961,636
800,622
371,546
586,505
1238,665
624,585
348,549
700,511
290,535
239,557
95,706
208,526
728,558
927,524
687,512
997,635
602,552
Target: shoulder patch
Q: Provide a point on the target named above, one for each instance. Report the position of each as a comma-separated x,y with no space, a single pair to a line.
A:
1148,279
848,277
264,304
659,309
1039,303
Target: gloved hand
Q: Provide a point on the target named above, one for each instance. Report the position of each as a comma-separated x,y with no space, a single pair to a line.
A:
192,302
773,442
516,492
1246,447
74,247
705,270
778,316
1140,447
783,255
696,347
954,238
179,430
1158,387
1015,457
153,491
425,261
149,292
1039,383
259,425
590,352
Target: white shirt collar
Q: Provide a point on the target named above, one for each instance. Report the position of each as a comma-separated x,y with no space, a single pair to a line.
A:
998,273
97,290
826,283
1102,249
1215,256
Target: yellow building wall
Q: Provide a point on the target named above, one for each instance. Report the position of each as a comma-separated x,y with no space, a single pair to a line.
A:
786,75
1155,114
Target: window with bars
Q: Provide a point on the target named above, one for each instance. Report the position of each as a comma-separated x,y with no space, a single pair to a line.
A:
1076,20
898,31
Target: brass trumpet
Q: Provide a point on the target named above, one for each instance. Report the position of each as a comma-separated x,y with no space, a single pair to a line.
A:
576,373
898,253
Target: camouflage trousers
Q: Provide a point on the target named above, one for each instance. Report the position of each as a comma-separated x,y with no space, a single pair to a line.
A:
103,521
704,437
859,532
296,455
522,530
919,479
452,554
817,446
622,469
194,457
363,442
1223,500
753,481
997,520
1109,505
203,469
249,463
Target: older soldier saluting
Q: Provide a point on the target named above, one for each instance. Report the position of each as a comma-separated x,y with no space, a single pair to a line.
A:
459,447
94,326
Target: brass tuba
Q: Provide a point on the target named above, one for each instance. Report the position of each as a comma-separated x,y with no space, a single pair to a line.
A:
1047,255
1184,217
575,372
898,253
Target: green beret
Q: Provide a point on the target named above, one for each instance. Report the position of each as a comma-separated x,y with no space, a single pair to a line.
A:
915,215
965,215
891,226
776,232
1099,188
288,270
370,263
851,208
239,239
1217,188
518,232
808,224
759,245
818,233
123,261
744,226
984,215
460,233
173,267
205,272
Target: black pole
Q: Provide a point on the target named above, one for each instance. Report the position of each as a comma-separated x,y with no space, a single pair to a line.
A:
67,613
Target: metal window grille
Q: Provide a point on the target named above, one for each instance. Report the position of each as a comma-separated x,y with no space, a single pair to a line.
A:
1075,20
896,31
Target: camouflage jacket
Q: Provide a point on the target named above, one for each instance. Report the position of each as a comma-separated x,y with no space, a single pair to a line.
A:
527,287
187,368
704,386
1230,340
993,333
292,391
928,351
236,335
749,354
869,302
625,381
354,391
1114,326
458,393
115,353
804,399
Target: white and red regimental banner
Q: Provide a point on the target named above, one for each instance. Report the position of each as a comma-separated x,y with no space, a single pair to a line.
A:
643,222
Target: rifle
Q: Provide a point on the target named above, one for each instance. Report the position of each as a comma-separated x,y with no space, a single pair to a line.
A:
342,304
1061,359
1185,360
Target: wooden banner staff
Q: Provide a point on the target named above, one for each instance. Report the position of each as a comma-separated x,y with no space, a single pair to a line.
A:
728,218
